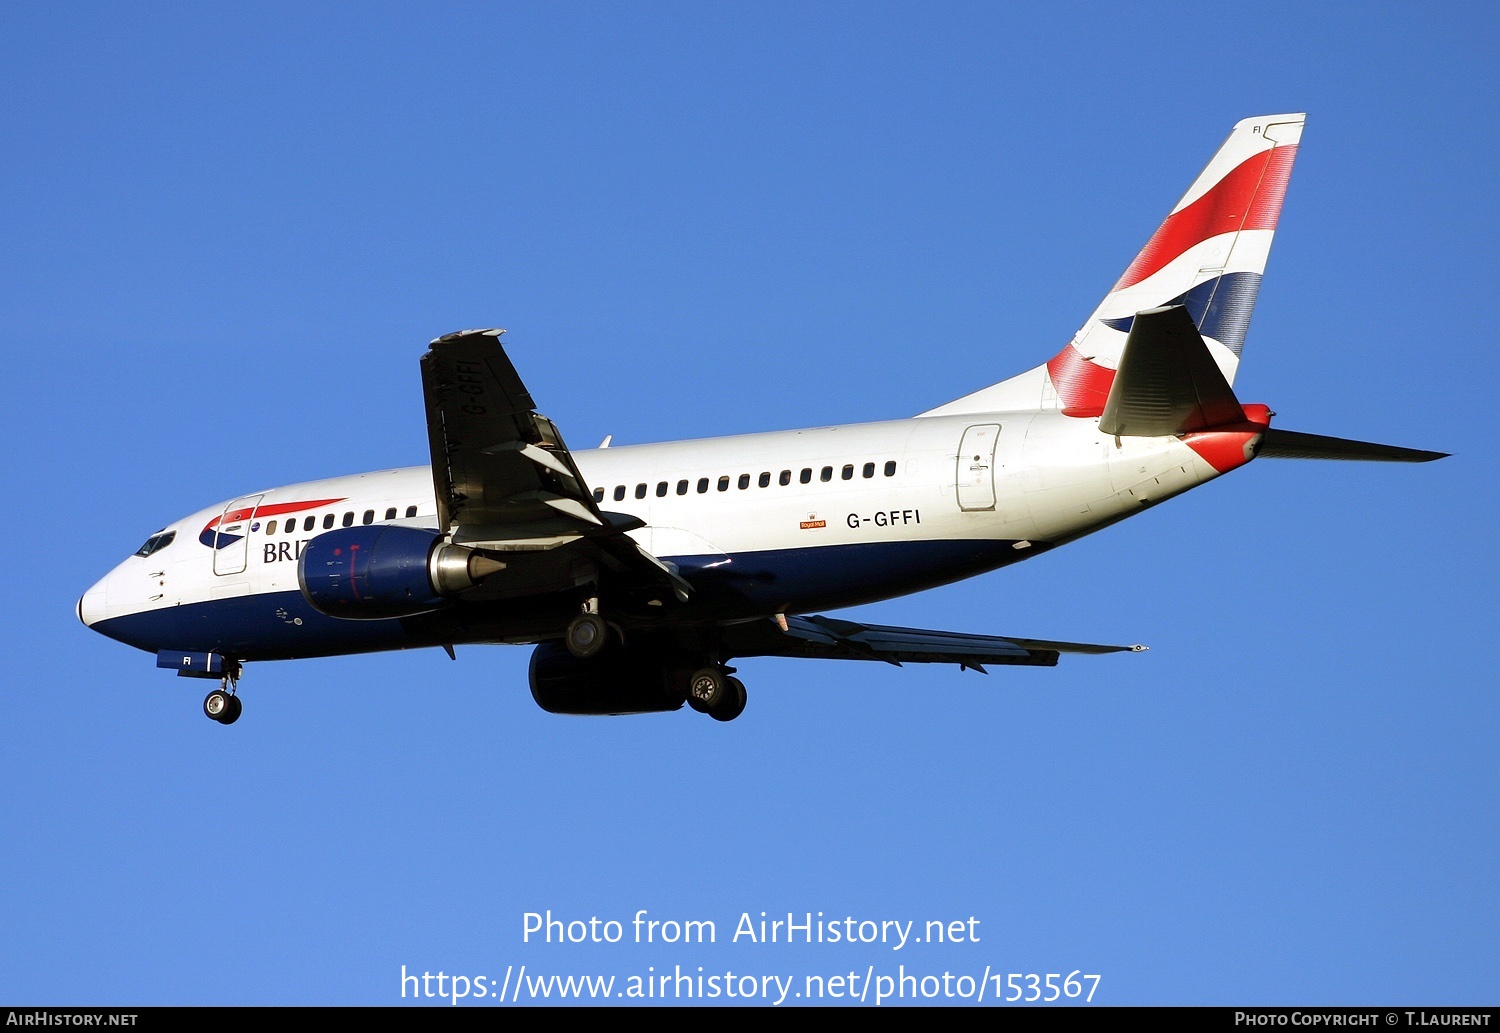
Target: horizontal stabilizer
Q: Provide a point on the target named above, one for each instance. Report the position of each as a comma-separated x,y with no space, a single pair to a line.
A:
1291,444
1168,382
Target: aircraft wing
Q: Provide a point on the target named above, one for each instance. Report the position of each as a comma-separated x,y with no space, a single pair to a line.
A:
832,639
503,477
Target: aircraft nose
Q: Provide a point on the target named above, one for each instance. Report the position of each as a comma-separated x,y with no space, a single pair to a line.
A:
91,608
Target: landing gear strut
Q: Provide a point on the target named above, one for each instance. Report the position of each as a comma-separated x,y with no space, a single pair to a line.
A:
712,691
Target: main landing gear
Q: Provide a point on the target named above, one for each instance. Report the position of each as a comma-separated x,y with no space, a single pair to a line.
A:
715,692
711,690
222,705
586,636
589,634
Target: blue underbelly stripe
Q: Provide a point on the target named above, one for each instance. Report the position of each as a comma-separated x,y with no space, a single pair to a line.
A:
281,625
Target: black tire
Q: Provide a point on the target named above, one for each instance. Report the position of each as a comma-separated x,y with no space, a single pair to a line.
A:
233,713
587,636
707,687
732,705
216,704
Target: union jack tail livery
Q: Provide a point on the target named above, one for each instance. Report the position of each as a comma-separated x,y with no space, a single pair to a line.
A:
1207,256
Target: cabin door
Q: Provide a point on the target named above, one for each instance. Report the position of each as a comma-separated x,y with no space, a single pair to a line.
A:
231,535
975,474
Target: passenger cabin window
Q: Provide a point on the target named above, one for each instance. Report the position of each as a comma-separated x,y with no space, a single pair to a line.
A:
744,481
661,488
156,543
682,487
640,491
348,519
328,521
390,514
369,517
869,470
786,478
890,468
806,474
619,492
598,494
702,485
848,471
307,525
411,511
765,480
826,474
291,525
271,527
724,483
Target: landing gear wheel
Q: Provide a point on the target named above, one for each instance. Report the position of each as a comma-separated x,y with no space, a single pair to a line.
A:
586,636
218,705
233,713
732,704
707,687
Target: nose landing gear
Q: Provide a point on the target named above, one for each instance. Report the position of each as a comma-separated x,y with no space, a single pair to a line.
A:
222,705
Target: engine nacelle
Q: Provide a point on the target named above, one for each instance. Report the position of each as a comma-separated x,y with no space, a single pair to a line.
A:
379,571
617,681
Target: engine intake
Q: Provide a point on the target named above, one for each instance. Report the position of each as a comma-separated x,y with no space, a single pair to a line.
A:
617,681
380,571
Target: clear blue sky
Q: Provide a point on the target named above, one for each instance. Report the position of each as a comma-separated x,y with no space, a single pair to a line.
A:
229,233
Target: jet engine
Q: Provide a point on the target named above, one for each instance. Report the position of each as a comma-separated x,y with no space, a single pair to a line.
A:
379,571
617,681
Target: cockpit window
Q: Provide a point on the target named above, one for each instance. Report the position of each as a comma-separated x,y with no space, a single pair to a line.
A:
156,543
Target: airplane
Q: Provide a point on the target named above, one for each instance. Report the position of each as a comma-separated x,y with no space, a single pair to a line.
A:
639,572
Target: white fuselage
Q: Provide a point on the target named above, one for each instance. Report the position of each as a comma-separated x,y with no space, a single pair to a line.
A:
786,521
